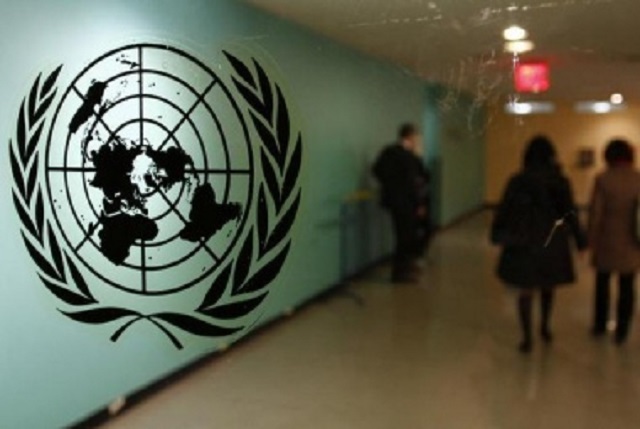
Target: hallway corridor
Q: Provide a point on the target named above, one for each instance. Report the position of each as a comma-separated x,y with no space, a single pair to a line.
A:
440,355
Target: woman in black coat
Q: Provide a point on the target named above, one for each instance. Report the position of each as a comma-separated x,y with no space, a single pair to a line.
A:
534,225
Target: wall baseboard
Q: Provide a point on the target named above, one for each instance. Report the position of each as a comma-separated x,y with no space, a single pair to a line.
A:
463,218
493,206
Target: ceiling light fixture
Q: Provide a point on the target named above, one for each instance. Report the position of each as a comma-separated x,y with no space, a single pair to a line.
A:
602,107
617,99
521,109
599,107
519,47
515,33
529,108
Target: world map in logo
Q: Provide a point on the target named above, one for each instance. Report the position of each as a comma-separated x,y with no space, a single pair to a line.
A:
128,173
142,171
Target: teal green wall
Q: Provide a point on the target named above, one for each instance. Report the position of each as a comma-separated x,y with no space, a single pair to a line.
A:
431,125
454,126
53,371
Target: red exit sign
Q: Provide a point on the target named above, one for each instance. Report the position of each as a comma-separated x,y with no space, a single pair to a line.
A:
532,77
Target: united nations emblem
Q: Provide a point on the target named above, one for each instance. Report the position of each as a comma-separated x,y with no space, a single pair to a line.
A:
150,176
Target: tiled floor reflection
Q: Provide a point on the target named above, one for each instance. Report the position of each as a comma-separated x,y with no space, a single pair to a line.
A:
439,355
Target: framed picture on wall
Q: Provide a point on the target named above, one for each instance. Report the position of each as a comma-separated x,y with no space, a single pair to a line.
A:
586,158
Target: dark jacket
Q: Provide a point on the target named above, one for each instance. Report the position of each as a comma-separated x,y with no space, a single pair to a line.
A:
534,265
398,173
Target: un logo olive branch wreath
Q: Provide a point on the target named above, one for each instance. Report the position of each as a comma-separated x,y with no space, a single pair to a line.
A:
243,281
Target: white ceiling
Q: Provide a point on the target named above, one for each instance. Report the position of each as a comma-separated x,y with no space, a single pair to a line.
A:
592,45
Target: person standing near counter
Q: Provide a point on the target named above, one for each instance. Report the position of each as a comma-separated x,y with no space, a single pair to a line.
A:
400,177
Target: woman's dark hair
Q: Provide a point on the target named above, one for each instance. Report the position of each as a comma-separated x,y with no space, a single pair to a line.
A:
407,130
618,151
539,153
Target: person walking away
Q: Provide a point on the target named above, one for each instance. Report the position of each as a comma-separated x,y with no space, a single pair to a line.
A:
534,225
397,171
615,246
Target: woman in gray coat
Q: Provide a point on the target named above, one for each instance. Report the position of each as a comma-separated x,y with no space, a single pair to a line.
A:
612,236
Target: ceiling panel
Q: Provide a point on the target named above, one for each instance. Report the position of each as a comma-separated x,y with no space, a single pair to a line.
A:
593,45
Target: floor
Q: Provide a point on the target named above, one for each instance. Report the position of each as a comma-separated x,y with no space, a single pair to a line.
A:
441,354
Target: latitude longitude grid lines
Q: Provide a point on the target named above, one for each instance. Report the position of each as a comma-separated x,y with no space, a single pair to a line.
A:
146,195
182,112
170,136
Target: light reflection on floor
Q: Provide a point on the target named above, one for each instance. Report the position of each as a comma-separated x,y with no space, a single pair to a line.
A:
437,355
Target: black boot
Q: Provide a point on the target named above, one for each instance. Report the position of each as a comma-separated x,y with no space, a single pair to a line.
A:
601,305
546,306
626,302
524,312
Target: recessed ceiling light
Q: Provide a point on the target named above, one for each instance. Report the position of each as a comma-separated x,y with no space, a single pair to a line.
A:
521,108
617,99
529,108
515,33
602,107
519,47
599,107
